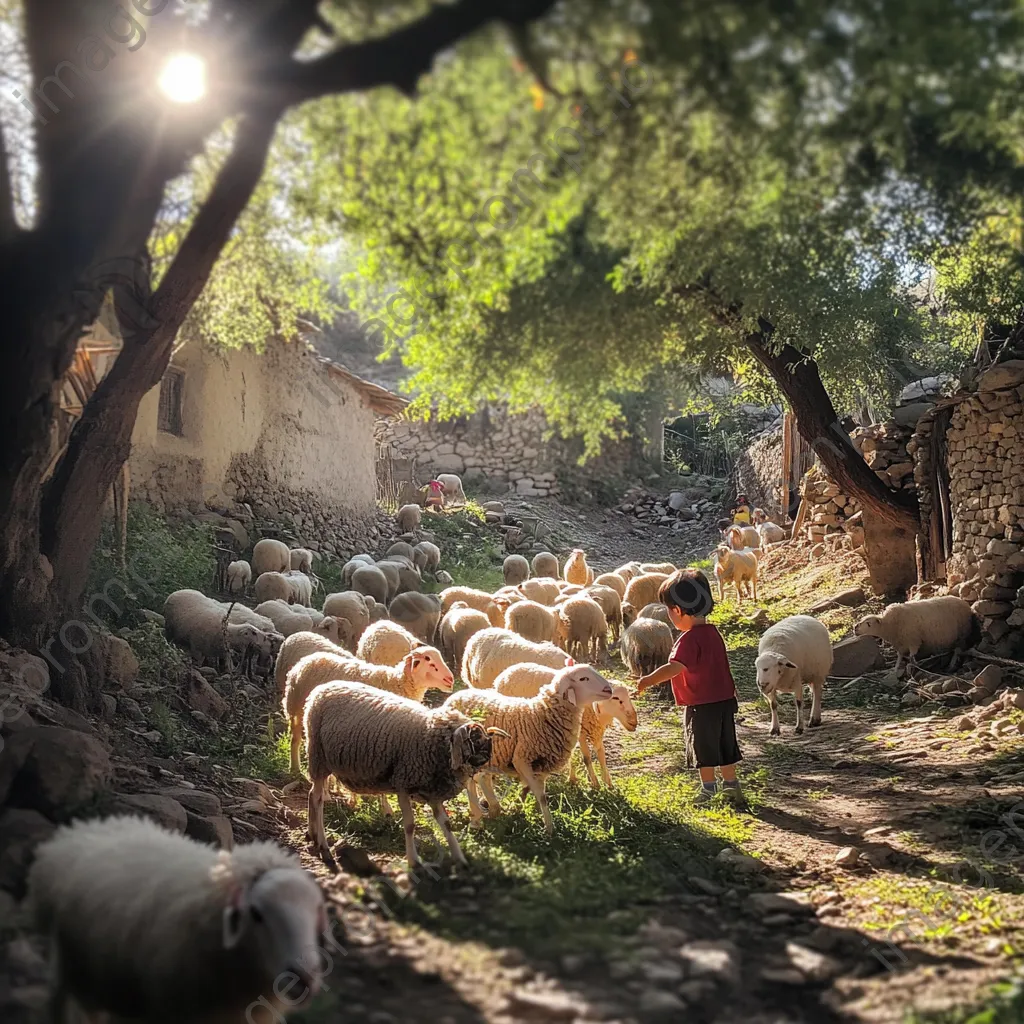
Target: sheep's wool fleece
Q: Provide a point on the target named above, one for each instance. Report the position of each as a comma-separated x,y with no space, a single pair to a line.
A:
491,651
299,646
939,623
378,742
805,642
136,913
385,643
543,729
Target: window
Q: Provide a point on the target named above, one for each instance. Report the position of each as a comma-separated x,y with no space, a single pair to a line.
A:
169,417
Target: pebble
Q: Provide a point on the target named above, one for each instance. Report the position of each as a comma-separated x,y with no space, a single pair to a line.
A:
964,723
847,857
741,862
655,1000
782,976
712,956
815,966
779,903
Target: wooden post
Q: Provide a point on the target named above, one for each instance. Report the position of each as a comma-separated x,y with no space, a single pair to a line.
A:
787,461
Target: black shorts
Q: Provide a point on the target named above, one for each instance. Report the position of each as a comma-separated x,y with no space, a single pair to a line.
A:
711,734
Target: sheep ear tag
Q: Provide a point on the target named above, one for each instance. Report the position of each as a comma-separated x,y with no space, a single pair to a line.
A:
569,662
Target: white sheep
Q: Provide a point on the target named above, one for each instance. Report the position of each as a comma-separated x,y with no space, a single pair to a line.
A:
372,581
269,555
402,575
934,625
576,569
426,556
458,625
239,577
646,645
401,548
273,586
739,537
451,487
663,568
737,567
629,571
771,533
794,653
195,621
477,599
419,613
611,604
613,580
386,643
147,925
541,731
355,562
545,564
583,628
349,605
377,743
515,570
533,621
302,587
301,559
543,591
375,609
301,645
492,650
289,619
643,589
660,612
408,518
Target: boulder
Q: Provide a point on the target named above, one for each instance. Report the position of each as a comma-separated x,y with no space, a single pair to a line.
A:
122,665
1003,375
989,679
201,696
195,800
161,809
214,830
908,415
856,655
20,833
850,598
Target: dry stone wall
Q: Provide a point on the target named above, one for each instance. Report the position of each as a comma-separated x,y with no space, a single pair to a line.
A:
758,470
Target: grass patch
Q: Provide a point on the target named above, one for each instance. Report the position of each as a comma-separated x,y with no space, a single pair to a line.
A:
1005,1005
160,661
469,552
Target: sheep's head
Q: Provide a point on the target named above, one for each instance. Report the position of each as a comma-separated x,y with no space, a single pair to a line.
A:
582,684
628,613
621,707
425,666
759,516
282,915
723,555
870,625
243,634
471,746
773,671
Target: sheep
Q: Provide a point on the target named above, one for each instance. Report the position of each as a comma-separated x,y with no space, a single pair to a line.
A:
451,487
301,559
239,577
540,731
533,621
302,587
401,548
492,650
583,628
458,625
355,562
240,613
411,677
408,576
351,606
475,599
793,653
611,604
515,570
269,555
545,564
646,645
419,613
931,626
287,619
273,586
543,591
629,571
298,646
376,742
739,537
148,925
665,568
386,643
371,581
738,568
408,518
377,611
613,580
657,611
508,595
642,590
629,614
771,533
524,680
576,569
426,556
758,516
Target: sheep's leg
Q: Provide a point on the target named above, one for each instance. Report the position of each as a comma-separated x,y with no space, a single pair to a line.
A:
476,813
798,699
721,591
899,662
537,789
315,825
585,750
774,702
493,803
602,760
409,824
572,766
816,689
753,585
385,806
296,726
441,817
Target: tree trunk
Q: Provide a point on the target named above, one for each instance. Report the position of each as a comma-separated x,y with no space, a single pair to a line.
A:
797,376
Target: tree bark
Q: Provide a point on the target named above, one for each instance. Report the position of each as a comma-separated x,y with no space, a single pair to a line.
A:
797,376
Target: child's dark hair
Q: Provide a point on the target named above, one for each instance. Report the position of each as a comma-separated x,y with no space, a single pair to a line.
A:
689,591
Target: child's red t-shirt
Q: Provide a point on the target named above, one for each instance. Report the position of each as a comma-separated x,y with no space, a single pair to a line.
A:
705,677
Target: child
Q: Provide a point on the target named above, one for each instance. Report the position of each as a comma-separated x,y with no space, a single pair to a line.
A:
741,513
702,682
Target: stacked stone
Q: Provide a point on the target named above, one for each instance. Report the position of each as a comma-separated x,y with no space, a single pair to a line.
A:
828,507
757,474
885,449
675,510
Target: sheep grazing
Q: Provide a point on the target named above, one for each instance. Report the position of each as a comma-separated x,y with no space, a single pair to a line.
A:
794,653
492,650
459,624
411,677
269,555
660,612
934,625
451,488
419,613
611,604
475,599
302,587
540,732
739,537
301,559
375,742
629,614
543,591
545,564
370,581
645,646
576,569
147,925
402,549
613,580
583,628
239,577
533,621
643,590
738,568
408,518
771,533
299,646
355,562
516,570
351,606
402,575
272,586
386,643
426,556
289,619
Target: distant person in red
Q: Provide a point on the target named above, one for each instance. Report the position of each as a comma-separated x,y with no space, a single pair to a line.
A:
435,494
702,682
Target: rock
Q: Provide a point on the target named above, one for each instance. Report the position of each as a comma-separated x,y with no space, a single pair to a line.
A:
989,679
911,700
52,770
849,598
760,619
131,710
201,696
155,617
662,972
812,964
855,656
20,833
122,665
1003,375
195,800
908,415
705,886
717,957
779,903
161,809
109,704
556,1005
847,857
214,830
656,1002
782,976
658,934
964,723
740,862
696,989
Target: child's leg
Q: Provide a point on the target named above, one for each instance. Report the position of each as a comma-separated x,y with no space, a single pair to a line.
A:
708,775
728,772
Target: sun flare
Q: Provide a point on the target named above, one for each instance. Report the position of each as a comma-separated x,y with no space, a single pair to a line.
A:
183,78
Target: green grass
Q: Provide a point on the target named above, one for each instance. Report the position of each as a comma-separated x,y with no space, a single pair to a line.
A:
469,551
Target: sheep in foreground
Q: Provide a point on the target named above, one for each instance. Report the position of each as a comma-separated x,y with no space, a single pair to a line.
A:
611,604
613,580
932,626
646,645
426,556
543,591
375,742
541,731
419,613
451,488
147,925
269,555
408,518
794,653
301,559
386,643
298,646
289,619
351,606
417,672
458,625
583,628
739,537
738,568
202,625
515,570
475,599
576,569
643,589
239,577
545,564
491,651
533,621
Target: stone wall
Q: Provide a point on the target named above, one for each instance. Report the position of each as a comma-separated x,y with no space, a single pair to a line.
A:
503,451
758,474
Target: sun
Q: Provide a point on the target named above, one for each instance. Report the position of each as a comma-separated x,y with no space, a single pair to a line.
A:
183,78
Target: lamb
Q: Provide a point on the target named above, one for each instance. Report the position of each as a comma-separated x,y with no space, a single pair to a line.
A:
377,611
931,626
375,742
458,625
516,570
302,587
451,487
664,568
771,533
739,537
419,613
147,925
629,571
793,653
371,581
613,580
273,586
540,731
629,614
403,549
583,628
414,674
737,567
426,556
475,599
543,591
269,555
239,577
301,559
576,569
386,643
545,564
758,516
288,619
611,604
298,646
492,650
408,518
533,621
642,590
646,645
